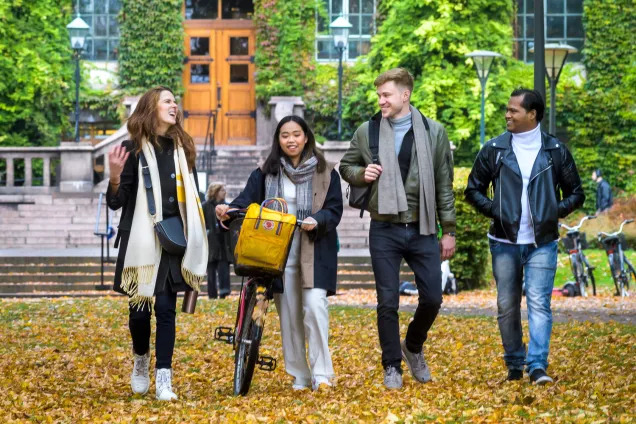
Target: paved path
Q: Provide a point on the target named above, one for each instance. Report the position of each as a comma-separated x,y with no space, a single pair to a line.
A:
557,315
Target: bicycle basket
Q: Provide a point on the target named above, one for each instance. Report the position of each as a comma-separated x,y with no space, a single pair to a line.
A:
264,241
568,243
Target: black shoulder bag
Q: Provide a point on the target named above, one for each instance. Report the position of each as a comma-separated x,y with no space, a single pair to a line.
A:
359,196
169,231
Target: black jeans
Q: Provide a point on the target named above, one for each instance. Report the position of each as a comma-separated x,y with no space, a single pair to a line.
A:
223,268
389,243
139,324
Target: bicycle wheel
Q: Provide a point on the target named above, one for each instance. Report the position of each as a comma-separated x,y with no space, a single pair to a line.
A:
613,268
247,345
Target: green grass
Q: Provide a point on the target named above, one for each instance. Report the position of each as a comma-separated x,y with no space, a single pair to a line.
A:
598,259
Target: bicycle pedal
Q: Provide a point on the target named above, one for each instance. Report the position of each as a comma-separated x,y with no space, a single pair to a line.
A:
224,334
267,363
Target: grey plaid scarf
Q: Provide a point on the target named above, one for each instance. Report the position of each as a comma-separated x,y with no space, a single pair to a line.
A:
301,177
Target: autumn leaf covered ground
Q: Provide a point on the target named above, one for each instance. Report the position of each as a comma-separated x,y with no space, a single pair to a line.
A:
68,360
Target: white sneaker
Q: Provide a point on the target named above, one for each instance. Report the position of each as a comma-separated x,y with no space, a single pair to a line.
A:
301,384
140,377
318,381
163,381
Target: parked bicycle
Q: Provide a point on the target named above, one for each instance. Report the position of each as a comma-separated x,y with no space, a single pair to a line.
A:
620,267
582,271
269,239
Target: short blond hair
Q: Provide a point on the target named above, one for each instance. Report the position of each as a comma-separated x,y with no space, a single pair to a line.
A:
213,191
399,76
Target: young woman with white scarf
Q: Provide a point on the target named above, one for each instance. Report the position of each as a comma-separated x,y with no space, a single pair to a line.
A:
297,172
148,274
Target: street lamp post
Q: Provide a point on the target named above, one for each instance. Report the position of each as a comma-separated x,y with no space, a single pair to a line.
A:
555,56
340,28
78,30
483,60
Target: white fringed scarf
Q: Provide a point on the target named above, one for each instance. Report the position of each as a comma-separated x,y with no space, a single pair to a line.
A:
143,254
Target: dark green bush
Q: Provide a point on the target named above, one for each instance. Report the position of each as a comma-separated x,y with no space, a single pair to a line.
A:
471,261
600,116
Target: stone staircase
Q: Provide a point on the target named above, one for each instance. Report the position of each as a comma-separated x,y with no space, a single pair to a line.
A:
55,220
56,276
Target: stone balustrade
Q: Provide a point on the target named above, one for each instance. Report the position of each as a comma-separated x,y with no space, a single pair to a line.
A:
73,163
10,155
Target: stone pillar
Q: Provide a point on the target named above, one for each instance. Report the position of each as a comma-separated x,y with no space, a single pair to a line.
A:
76,167
28,172
46,172
10,172
281,106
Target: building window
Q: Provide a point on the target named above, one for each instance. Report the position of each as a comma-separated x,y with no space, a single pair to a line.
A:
361,15
102,43
563,23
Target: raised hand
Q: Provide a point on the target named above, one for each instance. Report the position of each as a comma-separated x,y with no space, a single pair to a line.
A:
117,158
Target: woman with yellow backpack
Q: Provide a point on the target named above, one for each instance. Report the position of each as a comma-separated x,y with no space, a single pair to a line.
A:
298,173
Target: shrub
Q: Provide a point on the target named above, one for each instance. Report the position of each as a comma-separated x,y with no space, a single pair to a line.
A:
471,261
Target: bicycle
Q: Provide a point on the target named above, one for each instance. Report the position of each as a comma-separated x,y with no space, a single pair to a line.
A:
246,335
580,266
620,267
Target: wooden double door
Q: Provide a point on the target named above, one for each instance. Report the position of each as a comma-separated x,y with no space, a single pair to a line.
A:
218,77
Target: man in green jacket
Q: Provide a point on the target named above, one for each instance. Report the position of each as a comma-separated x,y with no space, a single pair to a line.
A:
412,187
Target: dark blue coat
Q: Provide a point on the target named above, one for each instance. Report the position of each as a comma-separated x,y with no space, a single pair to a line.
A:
319,248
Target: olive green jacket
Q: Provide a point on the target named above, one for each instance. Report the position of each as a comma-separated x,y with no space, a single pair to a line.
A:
358,156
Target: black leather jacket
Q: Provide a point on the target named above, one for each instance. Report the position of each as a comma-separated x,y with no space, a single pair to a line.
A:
546,183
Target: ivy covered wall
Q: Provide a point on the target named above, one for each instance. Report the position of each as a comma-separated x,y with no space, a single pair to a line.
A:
151,45
285,35
36,71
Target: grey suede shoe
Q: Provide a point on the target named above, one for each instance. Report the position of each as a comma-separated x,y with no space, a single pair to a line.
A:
417,364
392,378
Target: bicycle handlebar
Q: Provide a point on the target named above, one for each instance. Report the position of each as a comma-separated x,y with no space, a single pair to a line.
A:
237,213
620,230
575,228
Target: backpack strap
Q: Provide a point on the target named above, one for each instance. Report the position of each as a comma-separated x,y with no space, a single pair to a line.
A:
374,146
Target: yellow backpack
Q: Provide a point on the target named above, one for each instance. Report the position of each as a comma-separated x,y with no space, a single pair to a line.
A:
264,240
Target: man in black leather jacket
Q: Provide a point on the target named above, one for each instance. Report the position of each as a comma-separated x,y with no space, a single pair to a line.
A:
528,170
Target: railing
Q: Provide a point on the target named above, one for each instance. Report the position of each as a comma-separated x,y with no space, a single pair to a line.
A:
11,155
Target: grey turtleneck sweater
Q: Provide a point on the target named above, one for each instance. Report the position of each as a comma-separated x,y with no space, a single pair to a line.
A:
400,128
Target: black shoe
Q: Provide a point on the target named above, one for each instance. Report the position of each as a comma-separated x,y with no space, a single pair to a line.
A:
540,377
514,375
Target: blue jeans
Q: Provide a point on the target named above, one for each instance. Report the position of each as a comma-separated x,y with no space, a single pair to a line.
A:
511,264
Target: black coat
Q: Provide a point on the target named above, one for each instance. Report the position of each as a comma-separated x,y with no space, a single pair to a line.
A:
169,274
324,237
218,241
543,190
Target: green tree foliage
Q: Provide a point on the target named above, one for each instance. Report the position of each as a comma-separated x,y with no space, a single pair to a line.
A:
601,115
36,71
151,45
471,261
285,35
430,39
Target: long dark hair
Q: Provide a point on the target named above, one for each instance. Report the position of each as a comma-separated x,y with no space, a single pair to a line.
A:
144,121
272,163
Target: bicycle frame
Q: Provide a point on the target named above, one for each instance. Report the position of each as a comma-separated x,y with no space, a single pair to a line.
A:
578,261
617,260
